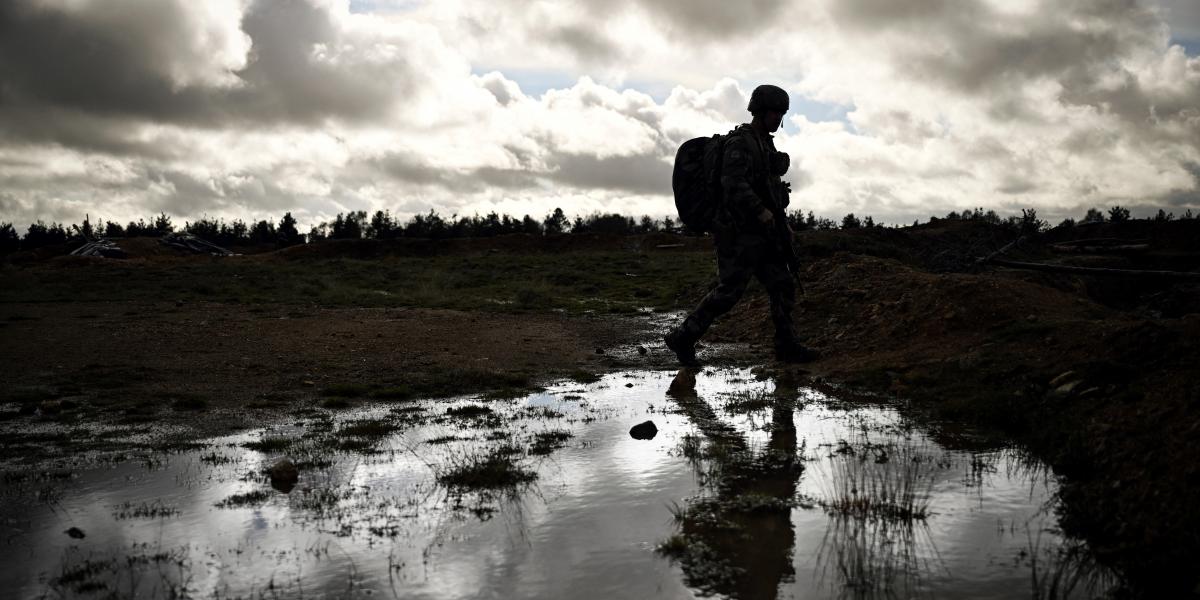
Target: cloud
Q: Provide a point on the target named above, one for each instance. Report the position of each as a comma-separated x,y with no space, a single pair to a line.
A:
248,108
121,64
119,57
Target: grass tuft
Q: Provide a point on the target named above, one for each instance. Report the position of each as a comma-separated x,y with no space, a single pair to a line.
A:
494,471
248,499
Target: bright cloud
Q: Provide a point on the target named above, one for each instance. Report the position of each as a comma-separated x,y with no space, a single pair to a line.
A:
248,108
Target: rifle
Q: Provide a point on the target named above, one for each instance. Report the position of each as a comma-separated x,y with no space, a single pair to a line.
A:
783,236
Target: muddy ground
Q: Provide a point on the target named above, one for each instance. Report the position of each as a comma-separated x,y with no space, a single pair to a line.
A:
1097,375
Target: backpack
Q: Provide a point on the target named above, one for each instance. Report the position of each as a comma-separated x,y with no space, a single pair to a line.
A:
696,181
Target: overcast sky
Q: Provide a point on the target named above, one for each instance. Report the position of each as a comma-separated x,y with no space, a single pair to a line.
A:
902,109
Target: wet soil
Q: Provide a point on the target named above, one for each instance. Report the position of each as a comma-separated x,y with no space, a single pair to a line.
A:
215,368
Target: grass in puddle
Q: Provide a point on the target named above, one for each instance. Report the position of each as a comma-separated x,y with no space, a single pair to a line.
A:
446,439
891,482
253,498
368,428
493,471
270,444
546,442
749,401
469,411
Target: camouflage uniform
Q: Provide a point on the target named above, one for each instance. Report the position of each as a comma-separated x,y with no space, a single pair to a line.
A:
745,248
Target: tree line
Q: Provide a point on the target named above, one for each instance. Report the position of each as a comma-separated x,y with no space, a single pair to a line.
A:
382,225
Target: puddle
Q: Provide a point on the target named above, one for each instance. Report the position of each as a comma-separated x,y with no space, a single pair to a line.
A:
749,489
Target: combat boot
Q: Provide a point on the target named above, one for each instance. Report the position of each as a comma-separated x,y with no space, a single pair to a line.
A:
790,350
684,347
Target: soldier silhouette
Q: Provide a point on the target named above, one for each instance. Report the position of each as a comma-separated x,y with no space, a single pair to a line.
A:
747,232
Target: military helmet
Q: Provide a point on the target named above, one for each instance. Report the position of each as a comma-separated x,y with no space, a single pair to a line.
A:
768,97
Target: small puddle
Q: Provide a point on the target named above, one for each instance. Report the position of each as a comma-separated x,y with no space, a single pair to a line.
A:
748,489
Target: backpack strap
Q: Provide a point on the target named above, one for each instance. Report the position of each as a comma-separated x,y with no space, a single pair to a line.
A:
718,166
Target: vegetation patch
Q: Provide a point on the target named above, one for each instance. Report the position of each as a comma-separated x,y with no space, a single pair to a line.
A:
248,499
368,428
891,483
469,411
446,439
212,458
270,444
545,442
749,401
494,471
144,510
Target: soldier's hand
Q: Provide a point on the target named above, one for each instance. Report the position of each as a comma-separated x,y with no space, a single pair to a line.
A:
766,218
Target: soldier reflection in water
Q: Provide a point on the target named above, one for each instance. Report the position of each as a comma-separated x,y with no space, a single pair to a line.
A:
752,492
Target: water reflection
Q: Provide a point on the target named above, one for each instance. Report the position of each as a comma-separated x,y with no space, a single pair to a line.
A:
855,503
736,538
777,491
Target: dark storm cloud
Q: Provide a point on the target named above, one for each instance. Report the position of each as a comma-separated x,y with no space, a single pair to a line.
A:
106,65
410,168
636,174
1016,185
973,48
284,80
717,18
90,62
1083,47
586,43
877,15
629,173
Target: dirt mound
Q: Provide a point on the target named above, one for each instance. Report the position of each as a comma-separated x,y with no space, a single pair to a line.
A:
1108,396
940,246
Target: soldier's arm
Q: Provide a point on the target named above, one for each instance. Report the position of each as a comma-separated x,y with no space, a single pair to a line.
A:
735,179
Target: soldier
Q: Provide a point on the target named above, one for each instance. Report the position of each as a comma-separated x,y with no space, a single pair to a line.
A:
747,232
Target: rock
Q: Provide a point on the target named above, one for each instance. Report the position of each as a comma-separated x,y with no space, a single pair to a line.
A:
642,350
1057,381
643,431
284,475
1065,389
599,350
50,407
629,385
75,533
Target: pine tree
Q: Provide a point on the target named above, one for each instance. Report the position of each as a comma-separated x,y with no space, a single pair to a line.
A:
287,233
555,222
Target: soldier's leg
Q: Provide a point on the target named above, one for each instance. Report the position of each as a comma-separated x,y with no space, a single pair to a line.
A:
781,290
735,266
734,269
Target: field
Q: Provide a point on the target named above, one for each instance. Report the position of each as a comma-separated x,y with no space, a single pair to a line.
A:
1098,376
